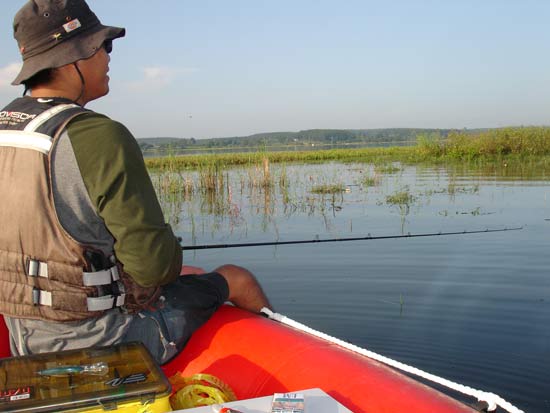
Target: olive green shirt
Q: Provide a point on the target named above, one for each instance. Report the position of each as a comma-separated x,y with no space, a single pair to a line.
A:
120,189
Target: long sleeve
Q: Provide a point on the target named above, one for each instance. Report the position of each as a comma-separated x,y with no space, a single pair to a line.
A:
119,186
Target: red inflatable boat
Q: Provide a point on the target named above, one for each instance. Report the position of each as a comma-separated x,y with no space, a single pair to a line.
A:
257,357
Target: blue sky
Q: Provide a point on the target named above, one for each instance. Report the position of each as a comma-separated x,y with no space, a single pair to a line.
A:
231,68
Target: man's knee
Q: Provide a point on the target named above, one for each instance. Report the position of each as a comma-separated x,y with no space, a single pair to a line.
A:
244,289
237,278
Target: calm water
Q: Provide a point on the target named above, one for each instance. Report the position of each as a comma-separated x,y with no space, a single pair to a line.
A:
471,308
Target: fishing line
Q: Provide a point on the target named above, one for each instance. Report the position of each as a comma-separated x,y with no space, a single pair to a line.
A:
367,238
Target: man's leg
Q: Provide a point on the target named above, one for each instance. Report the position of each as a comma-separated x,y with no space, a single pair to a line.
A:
244,290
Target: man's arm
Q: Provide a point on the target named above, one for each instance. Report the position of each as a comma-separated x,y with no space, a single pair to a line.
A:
119,186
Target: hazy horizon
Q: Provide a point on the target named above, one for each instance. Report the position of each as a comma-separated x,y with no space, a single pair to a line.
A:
207,69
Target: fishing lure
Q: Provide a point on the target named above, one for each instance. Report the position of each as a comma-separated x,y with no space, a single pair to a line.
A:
98,369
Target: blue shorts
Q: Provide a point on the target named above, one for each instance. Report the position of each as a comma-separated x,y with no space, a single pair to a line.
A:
184,305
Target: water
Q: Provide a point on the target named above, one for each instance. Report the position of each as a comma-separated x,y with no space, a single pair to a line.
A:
472,308
173,151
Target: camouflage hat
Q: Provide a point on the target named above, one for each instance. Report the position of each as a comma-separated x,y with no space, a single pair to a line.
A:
54,33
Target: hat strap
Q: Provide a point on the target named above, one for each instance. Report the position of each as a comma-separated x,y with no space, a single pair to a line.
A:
82,83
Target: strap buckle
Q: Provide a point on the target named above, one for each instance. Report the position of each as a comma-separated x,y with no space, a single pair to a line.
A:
103,277
106,302
37,268
41,297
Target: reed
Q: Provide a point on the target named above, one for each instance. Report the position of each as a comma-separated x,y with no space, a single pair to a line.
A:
402,200
328,189
386,169
370,181
403,197
186,162
497,144
211,177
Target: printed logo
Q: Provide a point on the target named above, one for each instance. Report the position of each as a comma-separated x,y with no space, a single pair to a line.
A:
12,395
132,378
15,115
72,25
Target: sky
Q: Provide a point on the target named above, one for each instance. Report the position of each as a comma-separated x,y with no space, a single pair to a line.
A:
206,69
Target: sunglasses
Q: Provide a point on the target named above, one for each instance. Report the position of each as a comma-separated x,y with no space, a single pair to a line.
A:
108,46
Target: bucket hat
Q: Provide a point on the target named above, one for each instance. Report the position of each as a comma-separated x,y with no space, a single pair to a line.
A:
54,33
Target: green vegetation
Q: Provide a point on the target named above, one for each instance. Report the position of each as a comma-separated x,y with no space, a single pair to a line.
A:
202,194
503,145
403,197
529,141
386,169
371,180
328,189
291,140
182,162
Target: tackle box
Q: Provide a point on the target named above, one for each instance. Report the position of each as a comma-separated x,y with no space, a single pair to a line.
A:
121,378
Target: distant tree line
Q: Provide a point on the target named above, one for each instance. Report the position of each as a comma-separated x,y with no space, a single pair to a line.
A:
304,138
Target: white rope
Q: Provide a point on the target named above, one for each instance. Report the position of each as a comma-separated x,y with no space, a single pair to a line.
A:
491,399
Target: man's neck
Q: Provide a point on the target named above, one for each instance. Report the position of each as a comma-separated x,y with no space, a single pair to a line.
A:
52,92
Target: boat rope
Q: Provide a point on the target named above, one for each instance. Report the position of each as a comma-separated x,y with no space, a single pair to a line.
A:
491,399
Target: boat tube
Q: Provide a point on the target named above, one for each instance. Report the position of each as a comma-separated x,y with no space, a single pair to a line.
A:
258,357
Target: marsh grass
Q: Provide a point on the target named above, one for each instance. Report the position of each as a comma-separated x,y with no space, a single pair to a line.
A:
524,141
224,188
186,162
258,176
386,169
370,181
402,200
211,177
403,197
508,145
328,189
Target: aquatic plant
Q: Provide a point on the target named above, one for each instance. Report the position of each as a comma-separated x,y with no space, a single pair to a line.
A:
402,200
386,169
371,180
211,177
525,141
403,197
496,144
328,189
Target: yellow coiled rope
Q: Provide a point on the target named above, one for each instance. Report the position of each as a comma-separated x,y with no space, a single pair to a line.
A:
199,390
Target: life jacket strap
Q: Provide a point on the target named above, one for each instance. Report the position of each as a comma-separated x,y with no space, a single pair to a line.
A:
45,116
103,277
26,140
108,276
106,302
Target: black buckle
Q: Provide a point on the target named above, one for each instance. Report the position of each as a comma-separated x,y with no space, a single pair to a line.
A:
97,260
36,296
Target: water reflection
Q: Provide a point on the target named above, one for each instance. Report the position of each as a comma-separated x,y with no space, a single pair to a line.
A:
472,308
333,199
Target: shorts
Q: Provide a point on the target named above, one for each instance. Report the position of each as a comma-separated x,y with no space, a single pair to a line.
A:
184,306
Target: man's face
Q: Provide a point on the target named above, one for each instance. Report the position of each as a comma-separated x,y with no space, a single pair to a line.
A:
94,70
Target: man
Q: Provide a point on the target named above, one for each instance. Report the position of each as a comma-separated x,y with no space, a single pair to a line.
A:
86,258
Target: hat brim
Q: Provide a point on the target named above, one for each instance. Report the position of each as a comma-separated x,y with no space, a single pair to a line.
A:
69,51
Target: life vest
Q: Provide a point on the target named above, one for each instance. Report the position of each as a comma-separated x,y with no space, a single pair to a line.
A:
44,272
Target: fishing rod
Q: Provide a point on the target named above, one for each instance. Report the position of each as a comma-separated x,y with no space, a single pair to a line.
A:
367,238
